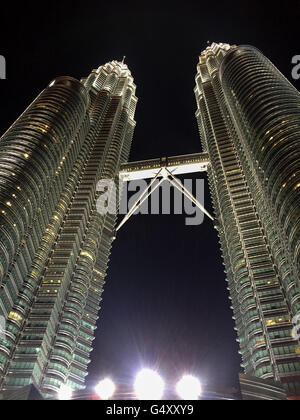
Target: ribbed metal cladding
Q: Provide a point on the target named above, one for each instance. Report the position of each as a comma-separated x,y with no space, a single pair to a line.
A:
53,314
268,110
260,268
30,152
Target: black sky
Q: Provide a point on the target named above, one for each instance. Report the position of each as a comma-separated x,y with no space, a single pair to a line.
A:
165,302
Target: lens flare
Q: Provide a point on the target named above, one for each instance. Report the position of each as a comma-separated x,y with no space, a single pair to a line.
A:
189,388
149,385
105,389
65,392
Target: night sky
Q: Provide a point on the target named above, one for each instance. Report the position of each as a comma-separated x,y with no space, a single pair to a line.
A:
165,303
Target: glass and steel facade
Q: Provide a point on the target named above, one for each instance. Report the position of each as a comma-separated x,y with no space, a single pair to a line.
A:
249,122
54,245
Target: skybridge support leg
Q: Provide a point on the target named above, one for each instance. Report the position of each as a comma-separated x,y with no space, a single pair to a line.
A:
177,184
141,199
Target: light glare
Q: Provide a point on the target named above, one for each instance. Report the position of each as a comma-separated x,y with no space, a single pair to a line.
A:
189,388
65,392
149,385
105,389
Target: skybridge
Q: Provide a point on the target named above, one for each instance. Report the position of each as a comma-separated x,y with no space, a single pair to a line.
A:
177,165
162,169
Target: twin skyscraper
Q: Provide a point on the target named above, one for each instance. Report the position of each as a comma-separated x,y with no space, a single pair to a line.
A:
54,245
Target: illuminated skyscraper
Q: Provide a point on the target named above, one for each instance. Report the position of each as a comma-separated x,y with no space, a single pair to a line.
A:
249,122
54,245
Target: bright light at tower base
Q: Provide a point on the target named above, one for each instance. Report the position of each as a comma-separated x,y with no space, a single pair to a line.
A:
65,392
189,388
149,385
105,389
